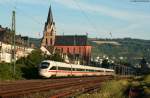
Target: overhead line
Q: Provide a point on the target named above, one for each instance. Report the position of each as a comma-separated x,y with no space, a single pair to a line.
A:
85,15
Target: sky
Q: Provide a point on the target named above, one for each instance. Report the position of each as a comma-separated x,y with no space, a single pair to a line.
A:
123,18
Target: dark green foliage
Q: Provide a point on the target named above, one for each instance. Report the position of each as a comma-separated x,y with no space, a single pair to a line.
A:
143,63
33,59
105,63
144,66
30,64
56,57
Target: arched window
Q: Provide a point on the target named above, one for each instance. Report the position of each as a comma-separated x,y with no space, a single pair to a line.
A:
46,41
67,50
62,50
74,50
51,41
79,50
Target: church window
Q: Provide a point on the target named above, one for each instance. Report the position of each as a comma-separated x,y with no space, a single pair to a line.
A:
62,50
46,41
74,50
67,50
51,41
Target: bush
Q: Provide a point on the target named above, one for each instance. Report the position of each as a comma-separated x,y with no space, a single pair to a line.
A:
29,65
6,72
32,60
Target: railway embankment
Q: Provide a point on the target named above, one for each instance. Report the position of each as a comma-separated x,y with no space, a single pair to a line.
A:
137,87
110,89
51,88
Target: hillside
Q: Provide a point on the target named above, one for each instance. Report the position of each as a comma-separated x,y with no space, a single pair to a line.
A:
132,50
35,41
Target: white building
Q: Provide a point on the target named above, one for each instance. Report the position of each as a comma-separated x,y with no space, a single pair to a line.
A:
6,55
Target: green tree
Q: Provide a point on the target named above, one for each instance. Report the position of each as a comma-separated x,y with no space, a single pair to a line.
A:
56,57
105,63
29,64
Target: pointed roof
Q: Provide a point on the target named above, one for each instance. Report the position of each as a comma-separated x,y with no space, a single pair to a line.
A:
50,16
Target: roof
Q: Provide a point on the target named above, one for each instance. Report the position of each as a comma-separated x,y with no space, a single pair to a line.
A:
71,40
49,18
2,30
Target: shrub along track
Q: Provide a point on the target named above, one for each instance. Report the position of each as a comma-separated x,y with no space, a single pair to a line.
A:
62,87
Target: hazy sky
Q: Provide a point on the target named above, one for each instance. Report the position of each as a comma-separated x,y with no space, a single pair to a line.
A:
98,18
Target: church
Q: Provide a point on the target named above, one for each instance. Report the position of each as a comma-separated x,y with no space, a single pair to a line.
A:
74,46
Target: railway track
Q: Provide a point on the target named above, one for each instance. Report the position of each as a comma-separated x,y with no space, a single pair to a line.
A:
62,87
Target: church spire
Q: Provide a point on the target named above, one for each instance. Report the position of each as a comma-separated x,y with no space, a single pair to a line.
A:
50,16
49,30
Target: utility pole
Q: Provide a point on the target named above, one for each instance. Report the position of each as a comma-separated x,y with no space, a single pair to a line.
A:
74,42
14,41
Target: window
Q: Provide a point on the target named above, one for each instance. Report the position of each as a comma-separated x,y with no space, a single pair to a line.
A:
46,41
51,41
53,68
44,65
78,69
64,68
79,50
67,50
100,70
90,70
62,50
51,34
74,50
73,69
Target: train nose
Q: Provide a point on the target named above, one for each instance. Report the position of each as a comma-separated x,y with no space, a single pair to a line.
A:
44,73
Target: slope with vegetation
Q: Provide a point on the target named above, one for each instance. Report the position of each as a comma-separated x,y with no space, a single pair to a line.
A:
131,49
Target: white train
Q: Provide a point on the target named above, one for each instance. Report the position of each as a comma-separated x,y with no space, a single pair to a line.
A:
49,68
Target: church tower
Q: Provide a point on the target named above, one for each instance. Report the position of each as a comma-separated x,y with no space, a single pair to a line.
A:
49,31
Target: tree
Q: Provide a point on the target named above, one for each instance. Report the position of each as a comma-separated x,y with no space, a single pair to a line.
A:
144,66
143,63
105,63
56,57
33,59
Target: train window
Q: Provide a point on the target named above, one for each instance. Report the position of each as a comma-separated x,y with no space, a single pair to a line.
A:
44,65
108,71
63,68
100,71
90,70
53,68
73,69
78,69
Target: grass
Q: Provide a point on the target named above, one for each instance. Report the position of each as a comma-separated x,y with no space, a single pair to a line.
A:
146,86
110,89
147,78
6,72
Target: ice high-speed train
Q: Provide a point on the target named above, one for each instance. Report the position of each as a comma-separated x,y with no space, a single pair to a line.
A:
49,68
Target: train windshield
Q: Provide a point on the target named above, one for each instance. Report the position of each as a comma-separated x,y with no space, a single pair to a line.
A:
44,65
